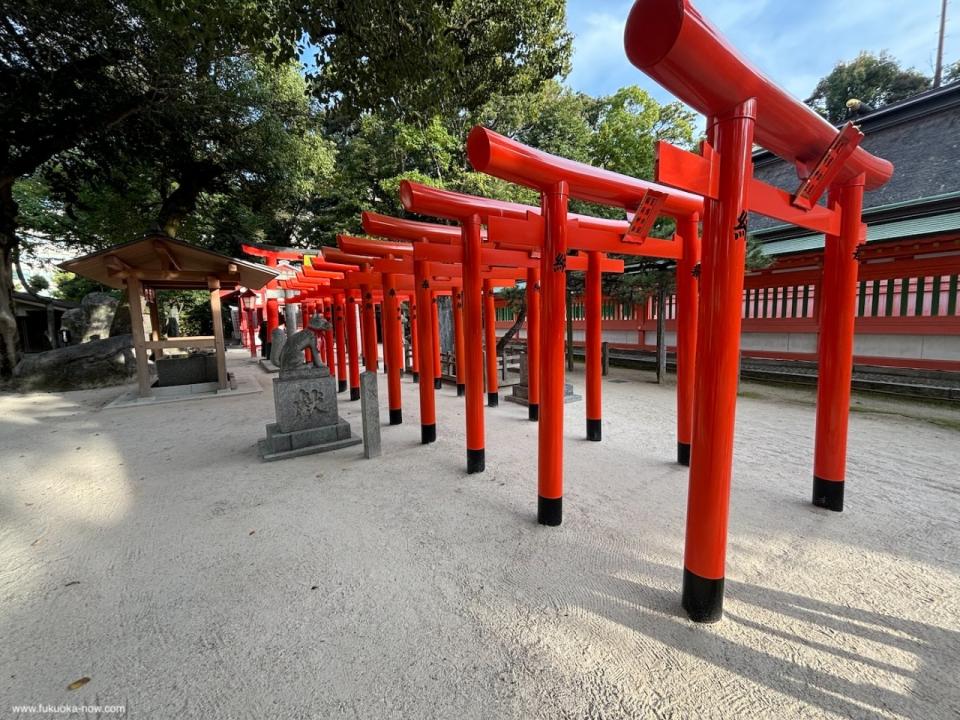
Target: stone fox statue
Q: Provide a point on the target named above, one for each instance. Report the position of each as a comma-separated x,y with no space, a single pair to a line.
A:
291,358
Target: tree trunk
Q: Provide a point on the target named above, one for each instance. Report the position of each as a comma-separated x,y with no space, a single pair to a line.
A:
182,202
9,341
515,328
661,335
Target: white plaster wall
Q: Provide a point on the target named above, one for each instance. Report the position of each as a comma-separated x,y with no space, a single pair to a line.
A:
893,346
941,347
802,342
926,347
650,337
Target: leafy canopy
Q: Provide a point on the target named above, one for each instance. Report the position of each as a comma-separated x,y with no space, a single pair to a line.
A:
876,80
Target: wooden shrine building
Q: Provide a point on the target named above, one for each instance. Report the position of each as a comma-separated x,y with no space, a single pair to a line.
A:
158,262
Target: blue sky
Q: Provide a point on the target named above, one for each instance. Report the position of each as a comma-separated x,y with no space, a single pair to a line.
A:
795,42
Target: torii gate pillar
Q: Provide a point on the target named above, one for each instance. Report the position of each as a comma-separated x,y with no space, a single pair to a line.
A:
838,311
553,294
718,348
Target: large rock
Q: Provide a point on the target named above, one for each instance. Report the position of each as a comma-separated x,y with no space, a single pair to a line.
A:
121,322
74,322
93,364
98,311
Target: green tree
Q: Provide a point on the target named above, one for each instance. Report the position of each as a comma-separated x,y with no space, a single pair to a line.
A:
77,76
409,58
190,307
876,80
74,288
629,124
236,159
69,72
38,282
951,73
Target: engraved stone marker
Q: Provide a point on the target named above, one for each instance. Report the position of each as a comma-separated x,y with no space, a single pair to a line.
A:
370,410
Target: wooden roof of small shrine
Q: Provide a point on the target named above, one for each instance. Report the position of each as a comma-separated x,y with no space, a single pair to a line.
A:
164,263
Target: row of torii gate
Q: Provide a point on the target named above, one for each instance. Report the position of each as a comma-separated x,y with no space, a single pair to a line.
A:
495,244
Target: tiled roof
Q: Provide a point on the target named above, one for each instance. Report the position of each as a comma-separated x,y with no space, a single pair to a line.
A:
912,227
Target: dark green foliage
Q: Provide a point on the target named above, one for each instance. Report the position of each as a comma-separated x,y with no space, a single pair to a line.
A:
38,283
876,80
193,306
75,288
188,115
951,73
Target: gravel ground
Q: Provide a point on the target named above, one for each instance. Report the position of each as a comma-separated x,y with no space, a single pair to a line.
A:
149,550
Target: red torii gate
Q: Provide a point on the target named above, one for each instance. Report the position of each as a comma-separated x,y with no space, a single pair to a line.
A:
368,313
314,266
394,262
558,178
311,303
426,271
354,291
317,284
271,255
390,317
440,237
411,230
472,211
509,227
675,45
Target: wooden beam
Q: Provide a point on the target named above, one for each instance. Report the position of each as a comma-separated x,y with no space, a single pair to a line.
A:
167,258
214,285
182,342
168,275
134,297
115,263
154,326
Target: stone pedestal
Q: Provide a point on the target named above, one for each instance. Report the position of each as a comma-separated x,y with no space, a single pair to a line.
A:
307,419
520,392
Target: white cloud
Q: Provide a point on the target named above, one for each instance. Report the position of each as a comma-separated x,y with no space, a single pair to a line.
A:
794,43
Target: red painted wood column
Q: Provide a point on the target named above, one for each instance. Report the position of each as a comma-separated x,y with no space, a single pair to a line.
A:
339,311
718,349
414,338
273,317
490,343
394,363
533,343
398,335
370,353
473,329
553,283
456,301
688,304
594,335
382,339
352,328
835,351
428,412
435,332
